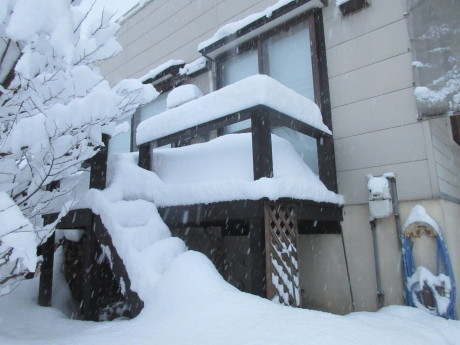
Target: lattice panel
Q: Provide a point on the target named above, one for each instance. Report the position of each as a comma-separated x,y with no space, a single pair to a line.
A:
281,234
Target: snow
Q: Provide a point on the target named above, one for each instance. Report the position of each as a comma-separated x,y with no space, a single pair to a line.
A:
193,66
193,305
436,284
340,2
219,170
183,94
17,236
159,69
244,94
222,170
378,186
419,214
233,27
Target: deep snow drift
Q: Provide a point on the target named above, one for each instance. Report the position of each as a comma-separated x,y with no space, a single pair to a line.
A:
188,302
192,304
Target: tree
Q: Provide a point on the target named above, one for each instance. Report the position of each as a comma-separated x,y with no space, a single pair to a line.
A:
54,107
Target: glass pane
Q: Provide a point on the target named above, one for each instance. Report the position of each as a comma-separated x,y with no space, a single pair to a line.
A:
303,144
239,67
157,106
287,58
235,69
122,142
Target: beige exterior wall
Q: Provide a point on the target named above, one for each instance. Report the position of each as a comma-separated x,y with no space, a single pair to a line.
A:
375,129
360,250
446,154
165,30
374,113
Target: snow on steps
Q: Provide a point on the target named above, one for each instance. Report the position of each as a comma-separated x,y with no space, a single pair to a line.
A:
138,234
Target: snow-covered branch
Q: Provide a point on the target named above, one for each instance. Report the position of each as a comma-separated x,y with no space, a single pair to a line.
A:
54,107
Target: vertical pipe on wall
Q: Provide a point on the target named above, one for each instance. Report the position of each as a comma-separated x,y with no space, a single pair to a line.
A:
380,294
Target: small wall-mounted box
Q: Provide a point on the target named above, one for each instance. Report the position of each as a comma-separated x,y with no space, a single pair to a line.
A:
380,202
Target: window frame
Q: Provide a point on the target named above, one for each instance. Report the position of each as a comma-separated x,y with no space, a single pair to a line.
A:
256,44
314,19
455,126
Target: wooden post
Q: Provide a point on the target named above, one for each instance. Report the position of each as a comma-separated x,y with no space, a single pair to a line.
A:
45,289
261,144
257,257
90,307
145,159
262,167
98,175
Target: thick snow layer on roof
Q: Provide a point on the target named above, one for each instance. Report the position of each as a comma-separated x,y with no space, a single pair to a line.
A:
182,94
193,66
157,70
233,27
255,90
419,214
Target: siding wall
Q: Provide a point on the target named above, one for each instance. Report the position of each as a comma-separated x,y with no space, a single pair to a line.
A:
165,30
373,108
446,154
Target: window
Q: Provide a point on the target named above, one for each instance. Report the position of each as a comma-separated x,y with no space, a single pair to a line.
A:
285,54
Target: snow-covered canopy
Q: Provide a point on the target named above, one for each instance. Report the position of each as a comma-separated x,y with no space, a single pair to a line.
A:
152,74
232,28
242,95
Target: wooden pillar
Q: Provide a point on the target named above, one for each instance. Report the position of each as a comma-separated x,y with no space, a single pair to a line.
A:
257,264
145,159
262,159
98,175
45,289
261,144
90,307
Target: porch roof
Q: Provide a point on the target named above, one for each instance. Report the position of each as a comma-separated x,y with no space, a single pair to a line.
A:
235,100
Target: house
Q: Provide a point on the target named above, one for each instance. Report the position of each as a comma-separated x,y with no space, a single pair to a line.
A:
381,74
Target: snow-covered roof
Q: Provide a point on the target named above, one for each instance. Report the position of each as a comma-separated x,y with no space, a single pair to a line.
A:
194,66
247,93
153,73
234,27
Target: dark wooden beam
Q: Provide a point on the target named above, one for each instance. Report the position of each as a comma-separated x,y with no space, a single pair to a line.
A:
134,303
145,156
326,154
262,156
257,263
90,307
45,289
279,119
320,227
213,214
204,128
98,175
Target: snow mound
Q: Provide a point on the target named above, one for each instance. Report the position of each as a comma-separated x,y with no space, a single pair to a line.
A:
419,214
222,170
183,94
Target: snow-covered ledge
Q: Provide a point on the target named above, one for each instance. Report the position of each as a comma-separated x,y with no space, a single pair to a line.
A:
235,33
247,93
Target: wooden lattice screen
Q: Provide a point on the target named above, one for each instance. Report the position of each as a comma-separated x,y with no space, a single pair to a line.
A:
281,236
